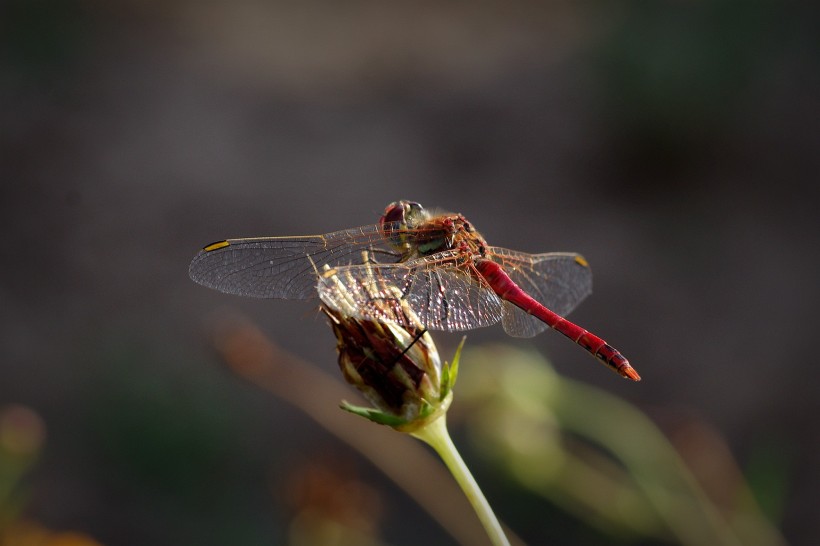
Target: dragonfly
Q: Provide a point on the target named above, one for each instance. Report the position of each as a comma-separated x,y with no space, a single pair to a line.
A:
437,262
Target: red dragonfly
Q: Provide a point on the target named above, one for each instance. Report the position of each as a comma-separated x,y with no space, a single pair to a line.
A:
437,263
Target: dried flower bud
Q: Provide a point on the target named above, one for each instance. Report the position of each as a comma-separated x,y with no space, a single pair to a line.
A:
394,363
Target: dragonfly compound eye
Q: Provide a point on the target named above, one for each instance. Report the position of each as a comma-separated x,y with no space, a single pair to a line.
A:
393,213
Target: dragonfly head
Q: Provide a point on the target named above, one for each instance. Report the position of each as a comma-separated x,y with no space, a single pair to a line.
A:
398,218
406,214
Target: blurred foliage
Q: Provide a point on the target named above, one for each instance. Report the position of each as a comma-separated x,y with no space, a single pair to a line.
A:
540,435
331,505
602,459
769,473
167,449
166,434
583,449
676,81
22,435
39,37
681,68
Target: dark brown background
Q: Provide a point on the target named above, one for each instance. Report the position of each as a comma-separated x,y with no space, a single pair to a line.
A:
674,144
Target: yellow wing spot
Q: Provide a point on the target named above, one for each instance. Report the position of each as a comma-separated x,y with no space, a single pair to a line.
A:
581,261
216,246
328,272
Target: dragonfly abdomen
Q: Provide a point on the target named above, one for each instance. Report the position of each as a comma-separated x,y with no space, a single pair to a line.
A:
506,289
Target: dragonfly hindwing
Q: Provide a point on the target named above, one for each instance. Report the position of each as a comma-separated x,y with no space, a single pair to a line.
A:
443,294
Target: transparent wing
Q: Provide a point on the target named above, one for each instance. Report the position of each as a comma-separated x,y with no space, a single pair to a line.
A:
519,323
557,280
441,293
284,267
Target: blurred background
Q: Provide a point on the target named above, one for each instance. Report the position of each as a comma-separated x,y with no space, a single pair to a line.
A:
675,144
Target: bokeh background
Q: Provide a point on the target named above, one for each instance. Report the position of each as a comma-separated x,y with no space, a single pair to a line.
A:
675,144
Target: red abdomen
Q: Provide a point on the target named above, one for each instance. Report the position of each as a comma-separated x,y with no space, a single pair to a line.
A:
506,289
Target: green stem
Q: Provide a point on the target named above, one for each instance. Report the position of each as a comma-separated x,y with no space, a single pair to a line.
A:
435,434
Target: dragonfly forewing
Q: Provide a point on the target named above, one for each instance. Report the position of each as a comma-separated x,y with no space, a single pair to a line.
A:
285,267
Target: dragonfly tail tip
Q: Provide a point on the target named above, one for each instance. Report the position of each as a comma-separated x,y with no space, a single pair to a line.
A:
630,373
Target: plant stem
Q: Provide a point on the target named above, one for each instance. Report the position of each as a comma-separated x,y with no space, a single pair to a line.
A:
435,434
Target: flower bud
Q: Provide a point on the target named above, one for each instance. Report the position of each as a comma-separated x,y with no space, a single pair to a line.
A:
394,363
